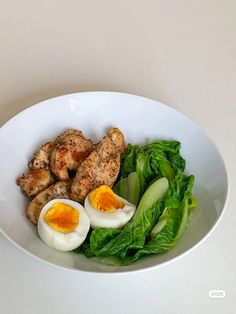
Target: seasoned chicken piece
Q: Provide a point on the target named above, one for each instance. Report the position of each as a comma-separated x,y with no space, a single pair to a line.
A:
117,138
58,190
35,181
41,157
100,167
69,151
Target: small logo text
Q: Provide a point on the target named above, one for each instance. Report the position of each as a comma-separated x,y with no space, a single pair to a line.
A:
216,294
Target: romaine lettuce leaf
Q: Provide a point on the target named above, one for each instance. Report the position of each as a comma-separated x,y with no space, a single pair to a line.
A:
163,241
159,221
149,162
133,234
169,228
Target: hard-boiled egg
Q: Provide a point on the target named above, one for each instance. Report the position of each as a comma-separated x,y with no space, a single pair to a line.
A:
63,224
106,209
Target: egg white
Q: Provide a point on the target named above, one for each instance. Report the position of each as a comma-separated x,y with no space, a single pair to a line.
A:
59,240
116,219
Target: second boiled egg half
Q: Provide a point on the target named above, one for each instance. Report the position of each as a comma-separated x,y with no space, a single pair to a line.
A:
106,209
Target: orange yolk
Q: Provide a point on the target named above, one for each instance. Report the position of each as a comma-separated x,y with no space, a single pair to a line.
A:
62,217
104,199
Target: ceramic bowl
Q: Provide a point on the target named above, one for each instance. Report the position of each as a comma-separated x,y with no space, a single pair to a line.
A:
140,119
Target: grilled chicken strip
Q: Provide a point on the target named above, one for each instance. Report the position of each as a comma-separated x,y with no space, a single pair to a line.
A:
35,181
117,138
100,167
69,151
57,190
41,157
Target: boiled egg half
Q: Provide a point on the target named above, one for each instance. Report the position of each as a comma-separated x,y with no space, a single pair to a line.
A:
106,209
63,224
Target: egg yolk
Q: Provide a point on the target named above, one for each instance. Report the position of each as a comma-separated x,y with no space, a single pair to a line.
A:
104,199
62,217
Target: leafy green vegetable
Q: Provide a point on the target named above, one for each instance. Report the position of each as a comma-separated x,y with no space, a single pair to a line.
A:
134,233
133,188
122,188
174,224
169,227
151,176
101,236
149,162
153,194
175,221
128,188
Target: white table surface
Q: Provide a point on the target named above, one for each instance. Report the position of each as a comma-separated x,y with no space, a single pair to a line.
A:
179,52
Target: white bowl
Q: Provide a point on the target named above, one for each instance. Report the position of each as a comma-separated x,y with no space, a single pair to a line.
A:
140,119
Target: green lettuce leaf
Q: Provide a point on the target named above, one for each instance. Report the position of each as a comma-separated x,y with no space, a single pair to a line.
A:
133,234
162,212
149,162
163,241
169,228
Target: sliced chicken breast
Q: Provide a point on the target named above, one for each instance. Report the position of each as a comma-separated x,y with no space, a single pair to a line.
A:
70,149
57,190
35,181
100,167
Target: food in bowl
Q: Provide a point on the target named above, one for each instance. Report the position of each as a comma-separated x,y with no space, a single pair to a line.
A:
111,202
63,224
